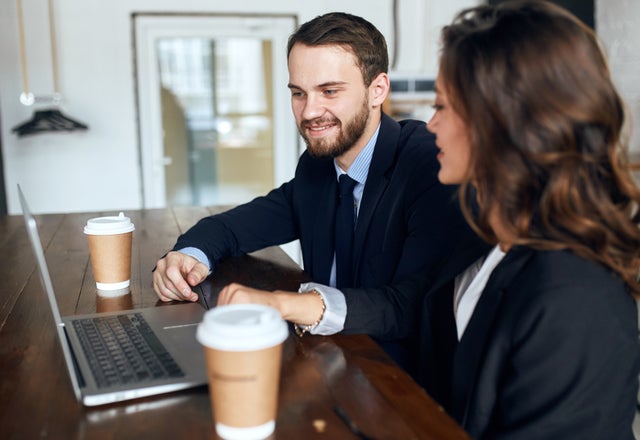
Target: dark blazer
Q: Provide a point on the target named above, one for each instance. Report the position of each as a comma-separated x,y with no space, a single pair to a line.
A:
551,352
407,223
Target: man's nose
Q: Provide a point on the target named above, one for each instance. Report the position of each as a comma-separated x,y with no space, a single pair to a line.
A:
313,107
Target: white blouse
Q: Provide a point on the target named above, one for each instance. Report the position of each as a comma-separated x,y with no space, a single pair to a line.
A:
469,286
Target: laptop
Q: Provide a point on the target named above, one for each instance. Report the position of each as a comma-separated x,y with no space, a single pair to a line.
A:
124,355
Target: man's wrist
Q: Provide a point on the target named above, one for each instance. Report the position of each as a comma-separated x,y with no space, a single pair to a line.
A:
197,254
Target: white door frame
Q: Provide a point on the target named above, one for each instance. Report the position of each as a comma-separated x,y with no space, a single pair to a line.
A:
149,28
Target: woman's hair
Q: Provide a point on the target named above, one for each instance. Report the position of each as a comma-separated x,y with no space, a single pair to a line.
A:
350,32
544,118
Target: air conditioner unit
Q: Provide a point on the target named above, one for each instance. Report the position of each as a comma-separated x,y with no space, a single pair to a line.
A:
411,97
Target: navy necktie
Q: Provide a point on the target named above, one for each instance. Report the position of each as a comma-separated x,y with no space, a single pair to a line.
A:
345,224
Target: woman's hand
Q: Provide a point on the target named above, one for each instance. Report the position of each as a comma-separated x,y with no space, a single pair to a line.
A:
301,308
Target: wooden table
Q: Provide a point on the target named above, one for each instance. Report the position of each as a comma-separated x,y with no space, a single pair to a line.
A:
318,375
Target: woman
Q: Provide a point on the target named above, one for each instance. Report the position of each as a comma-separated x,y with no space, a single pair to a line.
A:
529,123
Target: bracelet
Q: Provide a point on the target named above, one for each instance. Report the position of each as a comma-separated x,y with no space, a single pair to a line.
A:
302,329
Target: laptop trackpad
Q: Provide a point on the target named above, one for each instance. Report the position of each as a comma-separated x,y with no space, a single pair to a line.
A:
183,338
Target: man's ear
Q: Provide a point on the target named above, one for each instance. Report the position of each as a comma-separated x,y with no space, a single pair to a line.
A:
379,89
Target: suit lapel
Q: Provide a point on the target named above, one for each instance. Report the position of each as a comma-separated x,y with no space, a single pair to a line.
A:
471,348
377,181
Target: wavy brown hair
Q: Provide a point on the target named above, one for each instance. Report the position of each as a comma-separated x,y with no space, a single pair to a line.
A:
547,160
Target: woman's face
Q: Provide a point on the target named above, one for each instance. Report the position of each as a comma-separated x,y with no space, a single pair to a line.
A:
451,138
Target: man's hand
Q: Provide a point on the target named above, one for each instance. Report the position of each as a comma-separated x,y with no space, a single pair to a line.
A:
174,276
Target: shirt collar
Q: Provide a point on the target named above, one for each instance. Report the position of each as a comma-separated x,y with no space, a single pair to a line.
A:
359,169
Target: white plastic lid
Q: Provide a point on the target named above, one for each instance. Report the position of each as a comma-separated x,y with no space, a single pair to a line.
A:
109,225
242,327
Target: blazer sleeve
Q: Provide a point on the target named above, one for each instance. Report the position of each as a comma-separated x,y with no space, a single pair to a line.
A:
265,221
393,311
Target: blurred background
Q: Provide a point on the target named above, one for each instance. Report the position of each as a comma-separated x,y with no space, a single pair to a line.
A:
155,103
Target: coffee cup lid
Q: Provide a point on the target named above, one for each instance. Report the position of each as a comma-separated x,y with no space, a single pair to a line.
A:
242,327
109,225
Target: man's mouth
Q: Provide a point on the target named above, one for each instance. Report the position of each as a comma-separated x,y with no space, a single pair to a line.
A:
319,126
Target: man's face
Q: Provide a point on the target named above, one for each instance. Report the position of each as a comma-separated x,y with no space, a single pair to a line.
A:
329,99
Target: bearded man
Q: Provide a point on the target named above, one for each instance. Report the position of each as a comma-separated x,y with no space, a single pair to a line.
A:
406,222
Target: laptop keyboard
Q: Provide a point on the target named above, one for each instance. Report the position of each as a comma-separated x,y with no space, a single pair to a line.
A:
123,350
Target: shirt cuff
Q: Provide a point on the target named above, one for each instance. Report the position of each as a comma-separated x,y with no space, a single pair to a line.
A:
197,254
335,311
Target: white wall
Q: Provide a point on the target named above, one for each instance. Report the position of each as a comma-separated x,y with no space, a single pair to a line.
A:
618,24
98,170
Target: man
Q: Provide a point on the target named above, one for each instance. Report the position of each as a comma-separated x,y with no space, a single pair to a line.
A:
407,222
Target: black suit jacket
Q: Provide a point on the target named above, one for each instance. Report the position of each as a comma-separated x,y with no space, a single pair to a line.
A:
408,223
551,352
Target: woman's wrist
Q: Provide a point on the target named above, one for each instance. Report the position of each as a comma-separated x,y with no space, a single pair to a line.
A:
311,308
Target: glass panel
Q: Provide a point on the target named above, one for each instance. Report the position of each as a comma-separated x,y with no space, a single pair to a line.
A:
217,113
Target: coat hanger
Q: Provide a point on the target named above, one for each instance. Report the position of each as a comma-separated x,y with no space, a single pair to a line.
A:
46,120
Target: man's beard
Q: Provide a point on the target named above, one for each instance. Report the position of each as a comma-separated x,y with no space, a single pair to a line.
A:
347,136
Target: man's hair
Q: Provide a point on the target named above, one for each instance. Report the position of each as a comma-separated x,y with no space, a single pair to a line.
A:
350,32
544,122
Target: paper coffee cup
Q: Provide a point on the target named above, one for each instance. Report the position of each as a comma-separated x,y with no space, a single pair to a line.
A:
110,249
243,351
